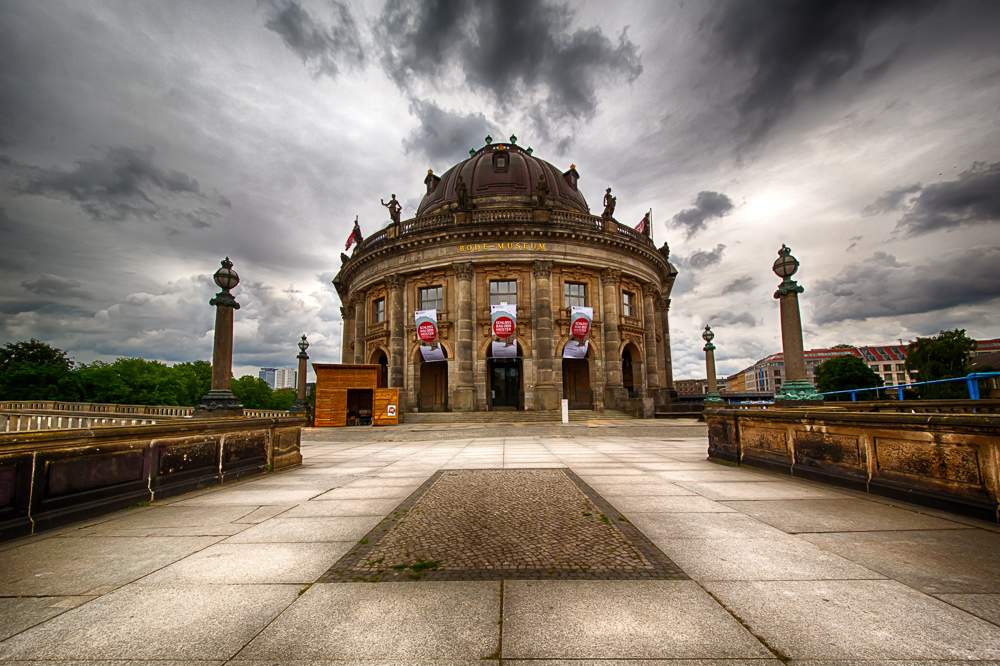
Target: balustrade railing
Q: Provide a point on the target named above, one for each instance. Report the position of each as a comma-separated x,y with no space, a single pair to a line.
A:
501,215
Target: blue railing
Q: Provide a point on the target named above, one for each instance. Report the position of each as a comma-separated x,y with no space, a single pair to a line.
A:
971,380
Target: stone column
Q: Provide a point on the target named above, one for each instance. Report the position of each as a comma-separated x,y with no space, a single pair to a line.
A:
546,393
397,333
346,334
649,293
712,398
661,396
613,388
465,345
668,367
359,326
220,401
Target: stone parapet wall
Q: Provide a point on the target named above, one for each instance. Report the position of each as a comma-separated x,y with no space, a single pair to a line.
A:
20,415
54,477
947,461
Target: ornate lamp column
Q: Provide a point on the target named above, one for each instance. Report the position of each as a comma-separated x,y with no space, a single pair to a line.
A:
300,404
795,387
713,398
220,401
465,392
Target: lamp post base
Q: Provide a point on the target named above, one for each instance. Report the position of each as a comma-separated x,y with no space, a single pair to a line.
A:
798,390
300,407
713,399
218,404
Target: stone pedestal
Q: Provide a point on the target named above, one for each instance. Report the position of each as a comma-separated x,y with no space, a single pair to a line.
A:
463,216
541,215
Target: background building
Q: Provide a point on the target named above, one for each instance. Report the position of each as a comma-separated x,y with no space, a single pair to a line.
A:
267,374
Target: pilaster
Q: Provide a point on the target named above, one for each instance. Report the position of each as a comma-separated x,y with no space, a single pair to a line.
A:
465,390
546,394
358,299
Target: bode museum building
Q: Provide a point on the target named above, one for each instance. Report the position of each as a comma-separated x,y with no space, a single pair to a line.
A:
505,292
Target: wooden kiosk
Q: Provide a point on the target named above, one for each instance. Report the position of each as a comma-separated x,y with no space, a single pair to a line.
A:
352,395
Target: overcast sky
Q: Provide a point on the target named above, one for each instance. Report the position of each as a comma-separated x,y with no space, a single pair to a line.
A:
142,142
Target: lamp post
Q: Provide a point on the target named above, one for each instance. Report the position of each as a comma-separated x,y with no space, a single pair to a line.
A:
795,387
712,397
300,404
220,400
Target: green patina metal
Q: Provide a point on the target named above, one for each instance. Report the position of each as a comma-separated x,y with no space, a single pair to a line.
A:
797,389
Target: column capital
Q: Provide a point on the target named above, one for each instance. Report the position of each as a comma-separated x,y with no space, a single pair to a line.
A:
541,269
650,290
356,298
610,276
346,312
396,281
788,286
464,271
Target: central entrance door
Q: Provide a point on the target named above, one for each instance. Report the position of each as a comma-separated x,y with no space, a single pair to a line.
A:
576,383
505,383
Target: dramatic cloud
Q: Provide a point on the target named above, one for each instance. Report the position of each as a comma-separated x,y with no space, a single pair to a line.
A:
320,47
704,258
744,318
740,285
707,205
891,200
124,182
57,287
508,48
795,48
446,136
972,198
960,277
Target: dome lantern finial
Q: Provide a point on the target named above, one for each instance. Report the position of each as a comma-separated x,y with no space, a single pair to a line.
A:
472,152
528,150
488,139
513,139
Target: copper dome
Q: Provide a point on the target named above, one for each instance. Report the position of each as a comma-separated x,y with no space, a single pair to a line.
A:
501,174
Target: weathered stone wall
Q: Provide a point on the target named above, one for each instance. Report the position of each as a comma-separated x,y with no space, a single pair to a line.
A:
948,461
54,477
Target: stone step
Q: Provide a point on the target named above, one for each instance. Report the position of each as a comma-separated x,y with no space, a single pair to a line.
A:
576,415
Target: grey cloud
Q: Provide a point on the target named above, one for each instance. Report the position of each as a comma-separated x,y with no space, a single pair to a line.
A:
56,286
445,136
744,318
740,285
972,198
707,205
319,46
891,200
854,242
882,286
505,47
798,47
124,182
704,258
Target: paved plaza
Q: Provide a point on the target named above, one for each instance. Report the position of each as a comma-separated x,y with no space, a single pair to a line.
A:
603,541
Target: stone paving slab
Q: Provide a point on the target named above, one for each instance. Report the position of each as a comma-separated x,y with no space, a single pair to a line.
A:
156,622
985,606
18,614
842,514
432,620
620,619
309,530
856,619
932,561
70,566
252,563
502,524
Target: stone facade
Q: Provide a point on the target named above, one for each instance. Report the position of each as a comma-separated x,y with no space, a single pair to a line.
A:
503,247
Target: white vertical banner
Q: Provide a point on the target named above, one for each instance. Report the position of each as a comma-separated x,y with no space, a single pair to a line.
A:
427,333
504,320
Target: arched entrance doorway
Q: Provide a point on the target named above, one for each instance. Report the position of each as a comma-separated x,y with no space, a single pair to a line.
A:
434,384
380,359
576,378
628,375
505,388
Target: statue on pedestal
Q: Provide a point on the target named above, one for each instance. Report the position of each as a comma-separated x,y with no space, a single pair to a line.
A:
394,209
609,205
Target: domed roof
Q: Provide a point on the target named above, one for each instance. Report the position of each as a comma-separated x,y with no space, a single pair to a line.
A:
501,174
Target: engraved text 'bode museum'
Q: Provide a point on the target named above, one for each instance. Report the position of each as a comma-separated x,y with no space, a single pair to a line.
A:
479,247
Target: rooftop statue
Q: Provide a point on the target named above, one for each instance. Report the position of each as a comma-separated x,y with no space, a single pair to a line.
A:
543,190
394,209
462,193
609,205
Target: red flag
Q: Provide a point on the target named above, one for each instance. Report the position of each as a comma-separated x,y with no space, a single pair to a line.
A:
641,227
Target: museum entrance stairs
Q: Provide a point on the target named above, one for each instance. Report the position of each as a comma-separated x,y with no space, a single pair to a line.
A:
575,415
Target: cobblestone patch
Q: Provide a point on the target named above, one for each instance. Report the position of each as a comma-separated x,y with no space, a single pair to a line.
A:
504,524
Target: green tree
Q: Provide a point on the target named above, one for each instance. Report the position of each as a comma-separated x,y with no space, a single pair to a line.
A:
252,392
944,356
190,382
283,399
35,371
842,373
128,381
